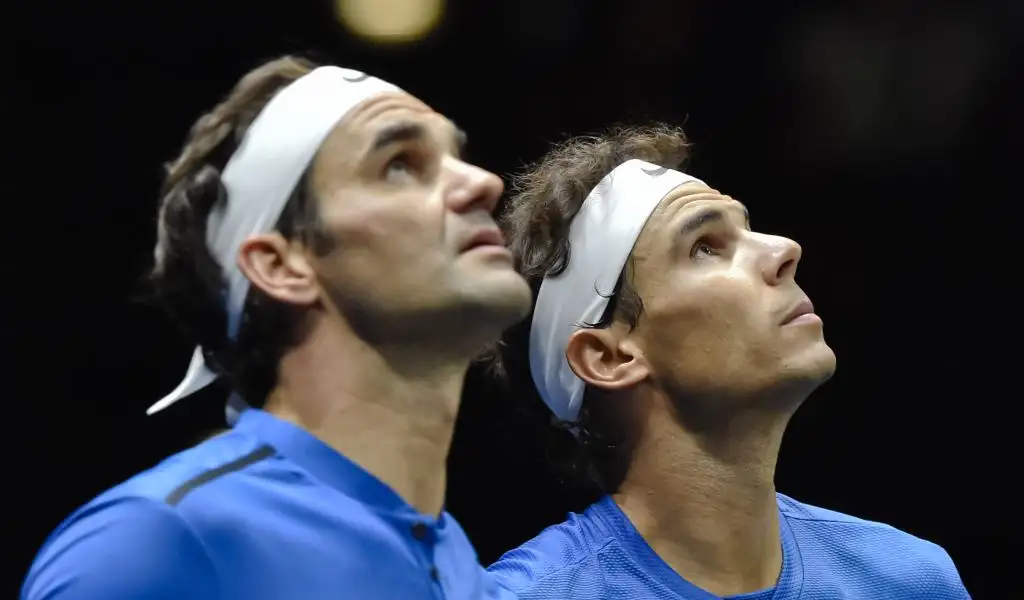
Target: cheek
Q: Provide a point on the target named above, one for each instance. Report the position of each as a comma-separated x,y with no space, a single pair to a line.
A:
713,332
378,224
379,244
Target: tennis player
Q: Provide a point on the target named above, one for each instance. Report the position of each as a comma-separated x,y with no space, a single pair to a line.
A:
336,261
674,344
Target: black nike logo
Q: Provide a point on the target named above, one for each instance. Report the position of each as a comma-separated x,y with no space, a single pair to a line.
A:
655,171
356,77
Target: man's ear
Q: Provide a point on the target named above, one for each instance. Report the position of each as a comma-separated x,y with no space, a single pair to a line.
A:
279,268
602,359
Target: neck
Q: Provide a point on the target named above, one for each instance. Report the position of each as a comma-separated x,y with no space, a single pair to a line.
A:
705,502
391,411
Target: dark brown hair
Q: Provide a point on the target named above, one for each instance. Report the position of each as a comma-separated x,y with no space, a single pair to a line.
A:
187,281
545,198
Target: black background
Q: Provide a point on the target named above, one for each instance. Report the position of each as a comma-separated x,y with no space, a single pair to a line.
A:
884,136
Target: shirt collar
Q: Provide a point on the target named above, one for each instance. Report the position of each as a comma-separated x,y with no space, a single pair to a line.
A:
608,520
323,462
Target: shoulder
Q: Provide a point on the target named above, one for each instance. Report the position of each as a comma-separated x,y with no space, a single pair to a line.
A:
122,548
220,463
458,562
137,539
870,551
552,563
854,535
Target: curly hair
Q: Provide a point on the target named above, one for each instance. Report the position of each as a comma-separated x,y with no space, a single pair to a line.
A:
187,280
546,197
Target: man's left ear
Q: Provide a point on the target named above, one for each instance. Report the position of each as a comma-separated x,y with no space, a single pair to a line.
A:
279,268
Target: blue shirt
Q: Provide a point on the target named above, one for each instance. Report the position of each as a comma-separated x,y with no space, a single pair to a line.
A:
265,511
826,555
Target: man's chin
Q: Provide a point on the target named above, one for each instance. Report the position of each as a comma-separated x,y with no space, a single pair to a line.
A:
503,296
800,375
509,308
486,312
823,363
811,370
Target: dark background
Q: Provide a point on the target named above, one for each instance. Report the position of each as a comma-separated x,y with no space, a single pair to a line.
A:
883,135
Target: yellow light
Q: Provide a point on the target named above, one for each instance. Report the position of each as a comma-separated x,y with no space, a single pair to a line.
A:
390,21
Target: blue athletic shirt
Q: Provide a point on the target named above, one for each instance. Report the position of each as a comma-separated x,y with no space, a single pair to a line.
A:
599,555
264,511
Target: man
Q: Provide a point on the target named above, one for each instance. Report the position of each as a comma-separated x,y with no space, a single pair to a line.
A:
336,260
675,344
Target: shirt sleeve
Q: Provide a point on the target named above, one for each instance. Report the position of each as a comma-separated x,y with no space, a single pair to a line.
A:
955,584
127,549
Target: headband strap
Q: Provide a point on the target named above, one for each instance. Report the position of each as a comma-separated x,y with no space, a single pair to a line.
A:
601,238
260,178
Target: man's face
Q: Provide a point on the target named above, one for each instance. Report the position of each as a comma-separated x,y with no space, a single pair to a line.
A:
719,302
416,251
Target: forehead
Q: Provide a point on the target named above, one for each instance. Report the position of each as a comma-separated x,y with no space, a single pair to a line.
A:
357,134
687,199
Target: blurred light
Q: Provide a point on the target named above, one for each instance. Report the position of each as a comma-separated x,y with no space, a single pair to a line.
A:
390,21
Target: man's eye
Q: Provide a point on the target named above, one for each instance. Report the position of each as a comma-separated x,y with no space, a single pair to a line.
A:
702,249
401,167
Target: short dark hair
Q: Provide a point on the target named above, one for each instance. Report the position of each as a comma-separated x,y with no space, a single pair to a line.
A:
545,198
187,280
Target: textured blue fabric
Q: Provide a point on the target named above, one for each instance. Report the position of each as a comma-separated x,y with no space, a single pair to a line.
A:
271,513
826,556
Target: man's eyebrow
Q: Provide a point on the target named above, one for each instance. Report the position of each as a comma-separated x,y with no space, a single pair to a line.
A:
701,218
398,132
407,131
709,215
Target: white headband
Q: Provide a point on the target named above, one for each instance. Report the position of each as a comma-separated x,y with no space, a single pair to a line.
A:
601,238
261,176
